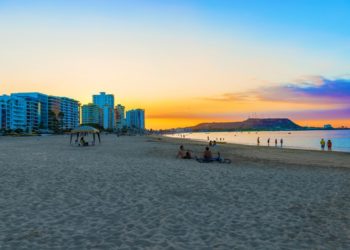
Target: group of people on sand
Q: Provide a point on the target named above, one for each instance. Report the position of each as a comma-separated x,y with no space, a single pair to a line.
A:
188,154
269,140
184,154
323,144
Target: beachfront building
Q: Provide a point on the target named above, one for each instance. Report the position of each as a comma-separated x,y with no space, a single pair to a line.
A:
135,119
12,113
119,116
106,104
37,105
108,117
35,111
3,113
91,114
54,113
70,113
63,113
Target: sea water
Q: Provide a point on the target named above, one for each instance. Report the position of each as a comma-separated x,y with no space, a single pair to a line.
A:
309,139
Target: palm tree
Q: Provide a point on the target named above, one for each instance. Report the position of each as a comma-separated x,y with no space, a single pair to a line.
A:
60,119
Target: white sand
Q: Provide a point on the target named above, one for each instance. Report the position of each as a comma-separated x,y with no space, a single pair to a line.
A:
131,192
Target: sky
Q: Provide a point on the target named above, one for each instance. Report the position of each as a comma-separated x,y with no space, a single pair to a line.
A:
185,61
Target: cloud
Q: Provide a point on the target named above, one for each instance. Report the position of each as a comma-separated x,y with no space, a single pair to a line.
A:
244,96
318,90
312,89
337,114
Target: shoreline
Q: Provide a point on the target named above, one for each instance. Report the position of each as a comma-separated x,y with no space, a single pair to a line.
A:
294,156
293,139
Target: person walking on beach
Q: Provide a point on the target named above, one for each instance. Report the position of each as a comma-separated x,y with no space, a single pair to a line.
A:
329,145
268,142
281,141
258,141
275,142
323,144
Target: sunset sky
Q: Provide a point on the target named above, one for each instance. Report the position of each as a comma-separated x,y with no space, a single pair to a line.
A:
185,61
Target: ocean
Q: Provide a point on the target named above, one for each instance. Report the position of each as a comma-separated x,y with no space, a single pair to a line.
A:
291,139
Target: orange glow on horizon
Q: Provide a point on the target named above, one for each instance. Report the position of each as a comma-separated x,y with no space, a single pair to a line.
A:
167,123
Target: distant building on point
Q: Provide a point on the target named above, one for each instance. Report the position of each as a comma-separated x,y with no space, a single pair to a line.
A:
328,126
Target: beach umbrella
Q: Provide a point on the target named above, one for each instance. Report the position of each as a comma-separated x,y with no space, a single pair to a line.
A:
84,131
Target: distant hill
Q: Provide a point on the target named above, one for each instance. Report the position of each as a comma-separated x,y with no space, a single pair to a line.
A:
249,124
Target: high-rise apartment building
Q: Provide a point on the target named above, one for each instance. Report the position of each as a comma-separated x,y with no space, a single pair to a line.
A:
91,114
54,118
119,116
136,119
103,99
34,111
70,113
106,103
12,113
108,117
64,113
37,109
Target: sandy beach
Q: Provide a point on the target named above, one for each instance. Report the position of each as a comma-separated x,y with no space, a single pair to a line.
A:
132,193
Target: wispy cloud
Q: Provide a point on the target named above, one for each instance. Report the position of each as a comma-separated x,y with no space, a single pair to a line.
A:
318,90
243,96
337,114
311,90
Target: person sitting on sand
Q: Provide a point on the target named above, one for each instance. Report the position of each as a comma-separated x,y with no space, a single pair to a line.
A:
207,155
83,142
184,154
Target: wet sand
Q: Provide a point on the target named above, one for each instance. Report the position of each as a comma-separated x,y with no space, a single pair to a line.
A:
131,192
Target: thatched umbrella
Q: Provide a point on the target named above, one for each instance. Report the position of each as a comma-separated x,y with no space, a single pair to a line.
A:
85,130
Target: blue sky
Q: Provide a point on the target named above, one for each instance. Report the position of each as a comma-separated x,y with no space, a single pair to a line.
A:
149,53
